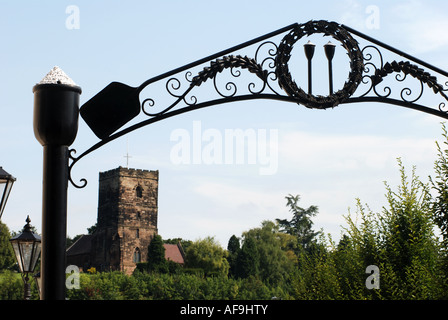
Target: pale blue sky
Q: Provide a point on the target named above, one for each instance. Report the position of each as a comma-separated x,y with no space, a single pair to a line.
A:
328,157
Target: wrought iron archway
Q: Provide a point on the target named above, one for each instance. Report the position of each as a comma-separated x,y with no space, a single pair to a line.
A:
270,78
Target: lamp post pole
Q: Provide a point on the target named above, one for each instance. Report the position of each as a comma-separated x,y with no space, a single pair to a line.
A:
56,110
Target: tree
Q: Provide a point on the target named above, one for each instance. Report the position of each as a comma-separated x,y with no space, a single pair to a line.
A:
208,255
301,224
156,255
409,243
440,184
440,203
7,259
70,241
400,241
92,229
262,254
248,259
233,247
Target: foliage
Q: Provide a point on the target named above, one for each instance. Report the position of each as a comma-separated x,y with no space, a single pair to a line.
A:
156,255
301,224
440,203
207,255
233,249
287,259
248,259
262,255
91,270
7,258
156,286
409,245
440,184
12,286
400,241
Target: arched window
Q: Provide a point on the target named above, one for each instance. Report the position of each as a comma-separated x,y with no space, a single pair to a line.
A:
137,256
139,192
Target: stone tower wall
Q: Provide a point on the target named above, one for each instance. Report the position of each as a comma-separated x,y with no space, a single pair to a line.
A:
127,218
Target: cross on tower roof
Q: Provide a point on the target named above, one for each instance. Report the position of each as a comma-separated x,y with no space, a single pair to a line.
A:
127,156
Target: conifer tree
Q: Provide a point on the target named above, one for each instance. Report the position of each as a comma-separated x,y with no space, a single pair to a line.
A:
156,255
248,261
301,225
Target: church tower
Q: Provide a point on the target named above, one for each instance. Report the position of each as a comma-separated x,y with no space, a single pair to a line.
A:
127,218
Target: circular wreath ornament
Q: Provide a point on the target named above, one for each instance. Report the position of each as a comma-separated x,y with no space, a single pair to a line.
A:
328,29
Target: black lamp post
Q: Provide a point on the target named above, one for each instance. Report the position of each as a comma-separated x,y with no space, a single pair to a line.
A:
6,182
56,109
27,246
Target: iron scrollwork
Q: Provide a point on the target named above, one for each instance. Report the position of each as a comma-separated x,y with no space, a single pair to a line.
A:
216,66
348,42
270,65
375,72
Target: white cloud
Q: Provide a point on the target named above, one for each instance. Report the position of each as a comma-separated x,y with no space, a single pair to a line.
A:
239,196
421,26
353,14
346,153
326,170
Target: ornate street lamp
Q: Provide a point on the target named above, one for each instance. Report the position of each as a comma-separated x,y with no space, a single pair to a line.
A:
27,250
6,182
55,122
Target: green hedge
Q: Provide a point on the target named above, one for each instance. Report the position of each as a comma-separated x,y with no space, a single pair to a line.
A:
181,286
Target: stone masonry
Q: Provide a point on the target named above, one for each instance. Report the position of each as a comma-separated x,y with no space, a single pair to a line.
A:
127,218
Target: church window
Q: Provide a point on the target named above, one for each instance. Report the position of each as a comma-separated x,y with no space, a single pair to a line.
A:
137,256
137,233
139,192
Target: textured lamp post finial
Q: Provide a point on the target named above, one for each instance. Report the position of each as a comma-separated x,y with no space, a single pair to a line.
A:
57,76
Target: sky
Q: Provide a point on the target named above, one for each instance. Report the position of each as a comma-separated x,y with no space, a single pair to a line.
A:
330,158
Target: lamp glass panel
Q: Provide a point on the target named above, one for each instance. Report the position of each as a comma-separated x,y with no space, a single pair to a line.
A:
27,253
18,254
36,254
5,189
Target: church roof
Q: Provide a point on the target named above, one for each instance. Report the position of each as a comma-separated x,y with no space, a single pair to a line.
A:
174,252
81,246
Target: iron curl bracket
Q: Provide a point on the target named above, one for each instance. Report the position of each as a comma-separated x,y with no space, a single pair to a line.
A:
267,75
